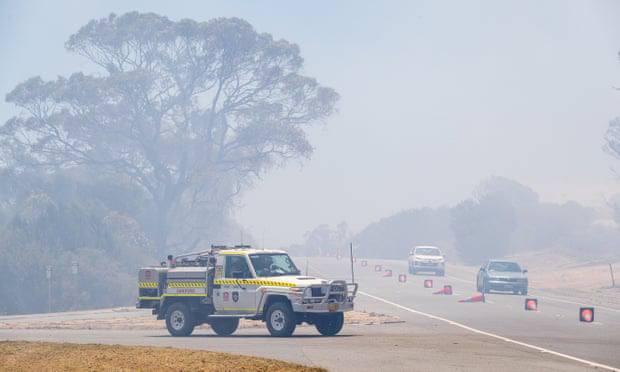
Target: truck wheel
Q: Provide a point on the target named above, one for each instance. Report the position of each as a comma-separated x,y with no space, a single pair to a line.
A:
224,326
281,320
179,320
329,325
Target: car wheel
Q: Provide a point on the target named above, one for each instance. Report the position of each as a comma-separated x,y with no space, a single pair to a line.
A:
281,320
330,324
179,320
478,287
524,291
224,326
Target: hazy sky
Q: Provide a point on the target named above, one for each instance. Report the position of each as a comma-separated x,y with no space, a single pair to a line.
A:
436,97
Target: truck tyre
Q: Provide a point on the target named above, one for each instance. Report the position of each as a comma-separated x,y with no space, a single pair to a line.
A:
280,319
330,324
224,326
179,320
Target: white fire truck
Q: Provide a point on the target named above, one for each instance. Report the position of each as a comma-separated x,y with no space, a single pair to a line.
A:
224,284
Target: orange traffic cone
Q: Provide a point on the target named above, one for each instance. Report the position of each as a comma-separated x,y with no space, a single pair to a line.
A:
475,298
388,273
446,290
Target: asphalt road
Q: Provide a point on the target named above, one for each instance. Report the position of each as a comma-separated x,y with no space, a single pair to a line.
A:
437,332
555,327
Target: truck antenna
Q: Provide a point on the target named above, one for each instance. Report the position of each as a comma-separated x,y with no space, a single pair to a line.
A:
352,273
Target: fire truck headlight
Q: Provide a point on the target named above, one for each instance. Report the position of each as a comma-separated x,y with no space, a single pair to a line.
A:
308,292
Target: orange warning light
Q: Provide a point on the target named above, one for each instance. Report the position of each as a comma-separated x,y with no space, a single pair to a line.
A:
531,304
447,289
402,278
364,263
586,314
428,283
377,267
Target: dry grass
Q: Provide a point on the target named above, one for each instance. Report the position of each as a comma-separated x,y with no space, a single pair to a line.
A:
46,356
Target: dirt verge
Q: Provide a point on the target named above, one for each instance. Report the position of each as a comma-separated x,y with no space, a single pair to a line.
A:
131,319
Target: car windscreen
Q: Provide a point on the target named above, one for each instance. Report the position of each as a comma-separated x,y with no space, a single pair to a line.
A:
428,251
273,264
512,267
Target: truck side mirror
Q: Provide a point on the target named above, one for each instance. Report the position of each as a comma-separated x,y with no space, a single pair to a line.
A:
524,271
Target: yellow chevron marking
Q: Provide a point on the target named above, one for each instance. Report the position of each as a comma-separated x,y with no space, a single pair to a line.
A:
254,282
186,285
185,295
147,285
148,298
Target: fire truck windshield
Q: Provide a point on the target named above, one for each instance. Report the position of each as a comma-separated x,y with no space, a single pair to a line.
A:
273,264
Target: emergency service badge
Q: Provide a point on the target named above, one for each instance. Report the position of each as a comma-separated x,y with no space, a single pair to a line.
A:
235,296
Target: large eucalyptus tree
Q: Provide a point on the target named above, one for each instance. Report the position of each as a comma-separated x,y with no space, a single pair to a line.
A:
190,111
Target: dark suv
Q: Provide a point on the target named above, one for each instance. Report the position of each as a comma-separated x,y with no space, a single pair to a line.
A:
499,275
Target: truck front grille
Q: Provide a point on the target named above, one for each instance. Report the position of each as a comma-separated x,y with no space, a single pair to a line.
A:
338,288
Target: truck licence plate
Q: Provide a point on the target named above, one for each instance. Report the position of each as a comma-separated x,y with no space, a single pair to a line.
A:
332,307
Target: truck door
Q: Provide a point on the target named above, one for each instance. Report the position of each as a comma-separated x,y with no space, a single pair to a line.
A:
235,289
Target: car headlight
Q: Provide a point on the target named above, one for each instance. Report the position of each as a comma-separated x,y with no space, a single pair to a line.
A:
308,292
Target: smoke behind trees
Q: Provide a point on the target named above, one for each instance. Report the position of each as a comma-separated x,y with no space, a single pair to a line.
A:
503,217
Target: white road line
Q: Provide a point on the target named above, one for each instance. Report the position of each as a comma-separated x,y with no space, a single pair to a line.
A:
459,279
578,303
542,350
